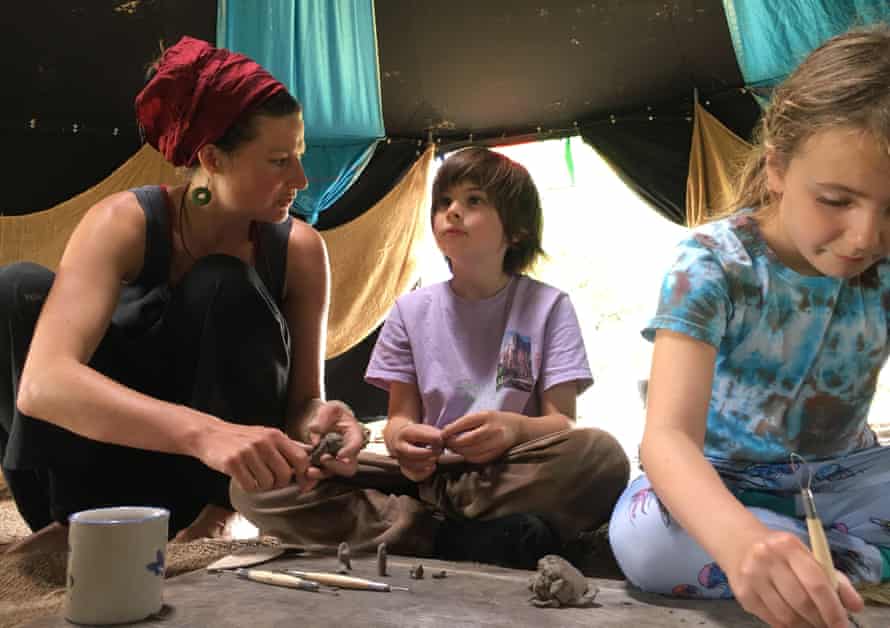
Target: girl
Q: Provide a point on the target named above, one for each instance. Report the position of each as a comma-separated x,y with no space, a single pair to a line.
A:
184,332
482,373
771,330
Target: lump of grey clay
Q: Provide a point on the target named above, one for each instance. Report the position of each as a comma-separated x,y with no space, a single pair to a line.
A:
381,560
557,583
343,557
330,443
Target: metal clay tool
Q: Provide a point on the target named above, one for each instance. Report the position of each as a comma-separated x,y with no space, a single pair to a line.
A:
818,541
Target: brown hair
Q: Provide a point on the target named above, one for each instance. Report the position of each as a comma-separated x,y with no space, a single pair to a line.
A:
845,82
511,191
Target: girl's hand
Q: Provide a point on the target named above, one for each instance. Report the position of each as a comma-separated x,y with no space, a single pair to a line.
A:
335,416
482,436
417,448
780,581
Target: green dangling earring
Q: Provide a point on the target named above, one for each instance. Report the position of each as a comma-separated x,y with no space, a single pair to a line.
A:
201,195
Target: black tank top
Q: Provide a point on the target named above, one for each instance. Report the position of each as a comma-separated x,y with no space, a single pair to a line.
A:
143,300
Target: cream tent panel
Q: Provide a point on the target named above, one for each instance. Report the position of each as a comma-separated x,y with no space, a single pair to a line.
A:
714,158
373,258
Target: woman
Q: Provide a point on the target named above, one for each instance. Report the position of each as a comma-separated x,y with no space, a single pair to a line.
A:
182,341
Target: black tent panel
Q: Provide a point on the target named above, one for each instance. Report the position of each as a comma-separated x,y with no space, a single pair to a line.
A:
344,379
79,63
501,68
652,156
651,151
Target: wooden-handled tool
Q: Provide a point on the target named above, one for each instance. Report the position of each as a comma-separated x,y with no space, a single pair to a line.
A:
818,542
278,579
344,582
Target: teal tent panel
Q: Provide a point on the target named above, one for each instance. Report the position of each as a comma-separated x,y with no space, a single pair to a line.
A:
772,37
342,164
326,53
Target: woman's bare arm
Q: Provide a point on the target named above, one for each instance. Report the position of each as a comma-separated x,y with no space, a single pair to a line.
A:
58,386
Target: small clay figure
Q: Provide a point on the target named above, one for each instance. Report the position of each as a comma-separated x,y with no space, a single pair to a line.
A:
330,443
381,560
557,583
343,557
416,572
440,574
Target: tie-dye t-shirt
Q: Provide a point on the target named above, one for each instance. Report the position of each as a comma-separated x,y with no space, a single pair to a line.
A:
467,356
797,356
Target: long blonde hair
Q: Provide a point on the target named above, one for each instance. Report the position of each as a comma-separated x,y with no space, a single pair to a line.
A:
845,82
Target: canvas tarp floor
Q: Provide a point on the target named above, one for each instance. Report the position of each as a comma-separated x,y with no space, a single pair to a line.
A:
470,595
32,594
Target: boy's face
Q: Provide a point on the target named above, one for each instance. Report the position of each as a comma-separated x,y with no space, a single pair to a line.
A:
833,205
468,228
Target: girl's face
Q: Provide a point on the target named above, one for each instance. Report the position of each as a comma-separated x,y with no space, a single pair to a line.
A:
263,176
833,207
468,228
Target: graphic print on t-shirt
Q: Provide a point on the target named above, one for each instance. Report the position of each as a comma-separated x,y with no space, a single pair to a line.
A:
515,362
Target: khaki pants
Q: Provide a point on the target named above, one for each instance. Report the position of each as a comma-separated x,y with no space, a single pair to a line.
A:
573,478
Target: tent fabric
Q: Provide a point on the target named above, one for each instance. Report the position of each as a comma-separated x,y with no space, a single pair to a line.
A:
41,236
391,162
344,379
326,53
714,158
372,258
771,38
651,156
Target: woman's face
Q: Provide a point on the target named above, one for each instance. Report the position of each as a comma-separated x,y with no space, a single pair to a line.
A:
262,177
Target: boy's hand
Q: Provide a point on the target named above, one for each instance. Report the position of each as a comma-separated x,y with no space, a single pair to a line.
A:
780,581
417,448
482,436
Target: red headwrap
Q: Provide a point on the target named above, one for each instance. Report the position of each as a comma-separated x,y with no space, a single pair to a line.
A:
196,95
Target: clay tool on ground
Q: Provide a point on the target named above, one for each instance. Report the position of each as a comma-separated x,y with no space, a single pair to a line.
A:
278,579
344,582
255,555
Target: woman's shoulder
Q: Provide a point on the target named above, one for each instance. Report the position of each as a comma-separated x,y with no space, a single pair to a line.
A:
120,215
307,243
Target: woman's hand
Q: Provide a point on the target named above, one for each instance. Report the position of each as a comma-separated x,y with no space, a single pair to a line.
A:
779,580
417,448
483,436
258,458
335,416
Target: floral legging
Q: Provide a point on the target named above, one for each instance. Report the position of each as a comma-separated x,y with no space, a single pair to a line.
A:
852,499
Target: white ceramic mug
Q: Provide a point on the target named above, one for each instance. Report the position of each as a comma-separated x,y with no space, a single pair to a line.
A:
115,564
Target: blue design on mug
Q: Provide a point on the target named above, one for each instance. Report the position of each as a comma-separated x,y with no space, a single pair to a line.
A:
157,567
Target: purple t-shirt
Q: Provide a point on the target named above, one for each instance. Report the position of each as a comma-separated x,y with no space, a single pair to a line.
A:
491,354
